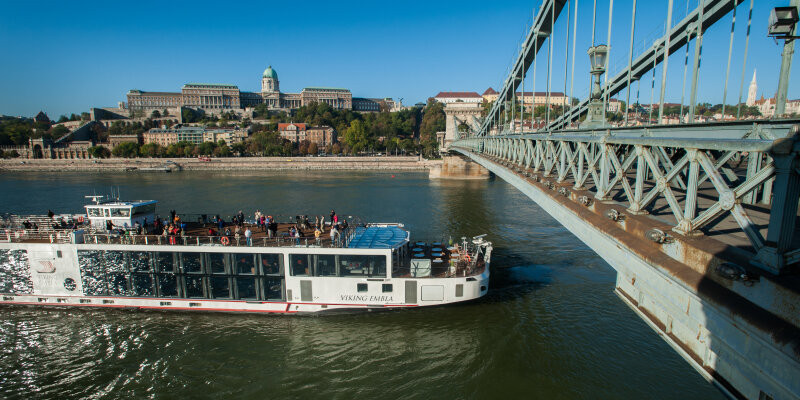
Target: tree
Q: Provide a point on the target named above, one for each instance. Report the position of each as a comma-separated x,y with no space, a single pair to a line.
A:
58,131
238,148
15,131
165,113
126,150
336,148
191,116
99,152
207,148
151,150
155,114
222,149
62,119
487,106
313,148
302,147
356,137
433,120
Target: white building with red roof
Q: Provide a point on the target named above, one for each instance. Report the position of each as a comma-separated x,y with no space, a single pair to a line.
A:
458,97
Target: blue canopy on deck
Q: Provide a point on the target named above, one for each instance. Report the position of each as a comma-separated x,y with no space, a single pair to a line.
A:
377,237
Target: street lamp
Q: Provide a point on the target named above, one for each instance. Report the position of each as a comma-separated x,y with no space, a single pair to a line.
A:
782,21
597,59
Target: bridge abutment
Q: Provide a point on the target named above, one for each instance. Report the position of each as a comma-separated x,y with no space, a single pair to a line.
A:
458,167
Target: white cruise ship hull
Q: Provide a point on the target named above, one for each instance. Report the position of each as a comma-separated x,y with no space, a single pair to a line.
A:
223,279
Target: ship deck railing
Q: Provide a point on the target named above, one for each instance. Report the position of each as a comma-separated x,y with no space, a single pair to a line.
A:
36,236
222,241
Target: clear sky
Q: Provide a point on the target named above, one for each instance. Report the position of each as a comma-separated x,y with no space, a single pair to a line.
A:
64,57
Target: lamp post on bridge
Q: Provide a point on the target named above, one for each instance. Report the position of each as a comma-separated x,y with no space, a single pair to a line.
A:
596,116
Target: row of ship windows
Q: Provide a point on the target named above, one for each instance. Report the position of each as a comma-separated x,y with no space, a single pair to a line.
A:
184,286
265,264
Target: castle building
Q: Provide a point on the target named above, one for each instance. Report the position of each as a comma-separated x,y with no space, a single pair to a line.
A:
216,98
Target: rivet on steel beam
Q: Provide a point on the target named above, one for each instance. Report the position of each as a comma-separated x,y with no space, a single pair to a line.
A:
585,200
614,215
734,272
563,191
658,236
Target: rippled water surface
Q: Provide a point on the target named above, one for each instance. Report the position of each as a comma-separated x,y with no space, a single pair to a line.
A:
550,327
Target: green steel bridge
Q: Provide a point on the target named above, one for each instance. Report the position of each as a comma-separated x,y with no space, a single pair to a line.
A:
698,218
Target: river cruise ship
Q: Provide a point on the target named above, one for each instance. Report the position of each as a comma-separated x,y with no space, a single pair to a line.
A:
115,256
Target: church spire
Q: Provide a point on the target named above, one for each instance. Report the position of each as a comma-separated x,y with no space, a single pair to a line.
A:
752,91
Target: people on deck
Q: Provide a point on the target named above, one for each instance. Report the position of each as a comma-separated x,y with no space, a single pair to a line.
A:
334,235
273,229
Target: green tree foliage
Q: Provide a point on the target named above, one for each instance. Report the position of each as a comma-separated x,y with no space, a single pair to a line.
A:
487,106
130,128
58,131
151,150
155,114
9,154
15,131
191,116
356,137
207,148
126,150
313,148
267,143
99,152
433,120
239,148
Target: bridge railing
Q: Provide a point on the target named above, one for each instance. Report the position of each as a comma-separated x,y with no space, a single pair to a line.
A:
695,181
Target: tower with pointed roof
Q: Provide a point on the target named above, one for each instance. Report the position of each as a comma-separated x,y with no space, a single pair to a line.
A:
751,92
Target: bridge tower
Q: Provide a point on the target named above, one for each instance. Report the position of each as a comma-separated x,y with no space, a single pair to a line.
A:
455,115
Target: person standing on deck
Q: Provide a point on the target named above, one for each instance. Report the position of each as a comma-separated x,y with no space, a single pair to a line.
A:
334,235
248,234
317,233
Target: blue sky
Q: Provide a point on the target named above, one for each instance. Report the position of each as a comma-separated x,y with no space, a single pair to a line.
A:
64,57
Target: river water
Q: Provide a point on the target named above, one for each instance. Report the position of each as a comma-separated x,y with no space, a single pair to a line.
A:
550,327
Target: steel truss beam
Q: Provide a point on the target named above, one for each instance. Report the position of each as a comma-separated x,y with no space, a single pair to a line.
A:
625,167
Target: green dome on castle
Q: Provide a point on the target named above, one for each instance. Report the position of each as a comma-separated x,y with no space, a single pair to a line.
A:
270,73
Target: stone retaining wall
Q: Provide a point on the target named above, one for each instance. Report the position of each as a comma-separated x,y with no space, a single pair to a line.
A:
222,164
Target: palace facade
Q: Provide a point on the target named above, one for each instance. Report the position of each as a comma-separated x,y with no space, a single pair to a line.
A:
216,98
